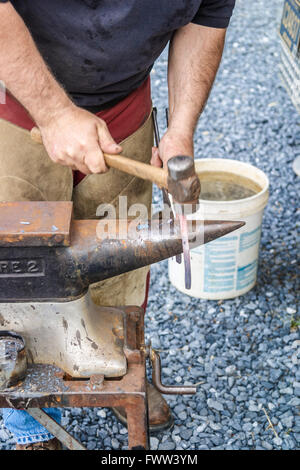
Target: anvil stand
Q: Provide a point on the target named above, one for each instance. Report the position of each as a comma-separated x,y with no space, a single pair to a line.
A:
54,390
46,386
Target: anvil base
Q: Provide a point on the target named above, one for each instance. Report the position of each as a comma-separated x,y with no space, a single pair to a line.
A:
47,386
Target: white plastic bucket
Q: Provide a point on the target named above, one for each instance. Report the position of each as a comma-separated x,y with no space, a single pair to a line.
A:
226,267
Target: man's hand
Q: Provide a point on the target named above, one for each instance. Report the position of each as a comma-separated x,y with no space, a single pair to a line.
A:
174,142
76,138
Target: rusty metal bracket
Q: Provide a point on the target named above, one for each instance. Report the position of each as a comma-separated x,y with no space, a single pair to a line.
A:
45,387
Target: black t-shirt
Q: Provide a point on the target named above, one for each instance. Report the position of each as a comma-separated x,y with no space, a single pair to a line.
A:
102,50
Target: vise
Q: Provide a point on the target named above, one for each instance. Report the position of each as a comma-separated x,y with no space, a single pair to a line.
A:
79,354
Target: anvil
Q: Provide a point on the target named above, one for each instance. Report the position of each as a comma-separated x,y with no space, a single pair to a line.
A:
47,263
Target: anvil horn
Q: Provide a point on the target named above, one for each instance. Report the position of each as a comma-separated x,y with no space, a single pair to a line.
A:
150,242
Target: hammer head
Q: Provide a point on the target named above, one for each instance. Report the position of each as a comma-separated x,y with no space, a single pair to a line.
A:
183,182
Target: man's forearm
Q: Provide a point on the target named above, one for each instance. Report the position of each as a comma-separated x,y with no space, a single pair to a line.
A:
24,71
194,58
72,136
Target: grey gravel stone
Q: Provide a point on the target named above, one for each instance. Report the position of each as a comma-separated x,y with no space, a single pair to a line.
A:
216,405
267,445
277,441
101,413
4,435
154,442
107,442
155,341
253,408
287,421
167,445
230,370
115,443
91,445
201,428
287,391
186,434
247,427
182,415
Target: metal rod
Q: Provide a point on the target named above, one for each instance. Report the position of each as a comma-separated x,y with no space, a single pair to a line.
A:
56,429
156,377
178,257
156,128
186,251
167,116
166,199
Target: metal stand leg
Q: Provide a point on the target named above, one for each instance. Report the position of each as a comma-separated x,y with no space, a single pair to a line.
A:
137,424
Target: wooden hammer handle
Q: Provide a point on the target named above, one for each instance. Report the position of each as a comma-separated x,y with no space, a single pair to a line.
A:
127,165
139,169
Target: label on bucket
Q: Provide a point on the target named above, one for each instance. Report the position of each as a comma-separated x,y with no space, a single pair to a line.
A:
230,263
246,275
219,264
249,239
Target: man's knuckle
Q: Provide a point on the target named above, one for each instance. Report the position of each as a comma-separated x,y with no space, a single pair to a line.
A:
81,145
57,157
103,129
101,123
95,169
70,151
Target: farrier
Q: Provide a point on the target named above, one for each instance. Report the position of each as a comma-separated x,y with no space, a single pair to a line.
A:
79,70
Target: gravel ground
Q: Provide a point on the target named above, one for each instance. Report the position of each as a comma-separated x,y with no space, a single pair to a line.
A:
244,353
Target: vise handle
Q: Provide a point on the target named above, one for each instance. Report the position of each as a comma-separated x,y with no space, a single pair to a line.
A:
180,179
